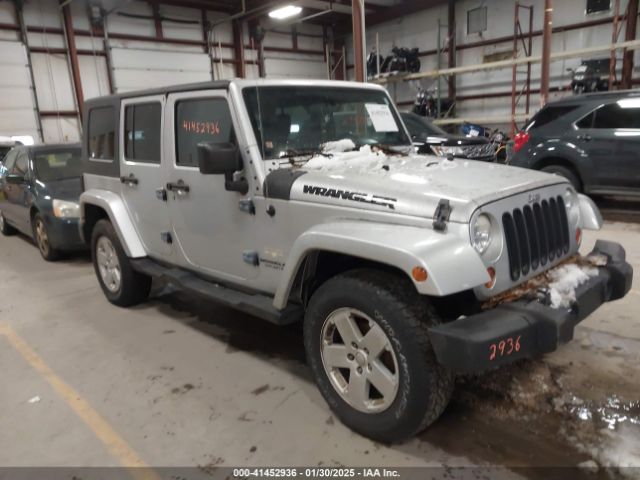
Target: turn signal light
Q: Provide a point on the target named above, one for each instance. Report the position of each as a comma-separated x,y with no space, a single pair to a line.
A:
419,274
519,140
492,274
578,235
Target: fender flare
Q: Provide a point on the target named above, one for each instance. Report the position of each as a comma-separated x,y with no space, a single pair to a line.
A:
451,262
113,205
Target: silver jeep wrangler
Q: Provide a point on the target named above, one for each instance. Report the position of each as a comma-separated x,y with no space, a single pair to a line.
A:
304,200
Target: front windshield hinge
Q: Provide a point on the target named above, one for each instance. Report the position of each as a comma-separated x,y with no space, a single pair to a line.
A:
441,215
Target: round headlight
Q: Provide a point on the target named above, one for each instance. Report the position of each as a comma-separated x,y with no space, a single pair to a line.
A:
572,205
482,233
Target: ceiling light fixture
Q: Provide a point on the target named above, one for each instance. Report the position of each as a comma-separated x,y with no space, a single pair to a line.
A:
285,12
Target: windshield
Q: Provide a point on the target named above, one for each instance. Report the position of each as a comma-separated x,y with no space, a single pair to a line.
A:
297,120
57,165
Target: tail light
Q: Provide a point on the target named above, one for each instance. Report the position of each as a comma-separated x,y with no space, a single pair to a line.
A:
519,140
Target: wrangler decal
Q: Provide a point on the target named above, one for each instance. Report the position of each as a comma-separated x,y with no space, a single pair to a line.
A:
348,195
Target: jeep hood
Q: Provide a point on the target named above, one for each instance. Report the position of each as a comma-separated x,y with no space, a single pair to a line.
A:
410,184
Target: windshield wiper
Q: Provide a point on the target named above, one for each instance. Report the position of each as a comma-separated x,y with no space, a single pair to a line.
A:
292,153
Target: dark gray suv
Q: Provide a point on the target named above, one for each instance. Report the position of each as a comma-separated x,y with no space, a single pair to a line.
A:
593,140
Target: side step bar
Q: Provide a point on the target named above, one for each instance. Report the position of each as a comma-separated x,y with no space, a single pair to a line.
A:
255,304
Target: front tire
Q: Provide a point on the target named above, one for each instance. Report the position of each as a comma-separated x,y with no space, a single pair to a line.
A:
5,228
566,173
121,284
365,334
42,240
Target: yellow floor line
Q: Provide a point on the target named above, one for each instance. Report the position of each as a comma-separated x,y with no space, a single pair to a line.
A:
98,425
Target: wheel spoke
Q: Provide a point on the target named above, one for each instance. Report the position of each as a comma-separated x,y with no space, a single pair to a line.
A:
374,341
101,257
347,328
335,356
381,378
358,389
115,274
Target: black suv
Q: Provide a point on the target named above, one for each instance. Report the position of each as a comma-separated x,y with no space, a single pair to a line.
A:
593,140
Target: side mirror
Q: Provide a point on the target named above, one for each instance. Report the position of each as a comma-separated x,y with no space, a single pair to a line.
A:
15,179
222,159
218,158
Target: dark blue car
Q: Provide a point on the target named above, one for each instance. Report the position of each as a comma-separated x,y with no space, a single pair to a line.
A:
39,190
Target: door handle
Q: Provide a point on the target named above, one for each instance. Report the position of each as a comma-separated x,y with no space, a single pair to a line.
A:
586,137
131,180
179,187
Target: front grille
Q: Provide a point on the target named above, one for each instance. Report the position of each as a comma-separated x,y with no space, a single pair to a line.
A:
478,151
536,235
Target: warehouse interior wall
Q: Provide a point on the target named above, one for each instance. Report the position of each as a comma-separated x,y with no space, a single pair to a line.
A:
421,30
131,59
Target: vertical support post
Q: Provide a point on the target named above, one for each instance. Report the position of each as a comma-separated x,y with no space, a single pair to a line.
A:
18,5
357,14
451,57
516,22
73,56
157,20
630,34
439,67
546,52
294,37
207,40
529,53
238,48
109,60
614,39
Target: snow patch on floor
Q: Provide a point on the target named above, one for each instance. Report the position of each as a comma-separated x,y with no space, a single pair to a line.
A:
619,449
564,281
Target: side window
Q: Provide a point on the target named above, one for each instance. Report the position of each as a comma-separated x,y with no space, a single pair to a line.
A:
101,135
586,121
142,132
22,164
10,160
200,120
413,126
625,113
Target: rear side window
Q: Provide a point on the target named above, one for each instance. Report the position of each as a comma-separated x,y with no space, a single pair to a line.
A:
625,113
142,132
200,120
101,134
22,164
10,160
547,115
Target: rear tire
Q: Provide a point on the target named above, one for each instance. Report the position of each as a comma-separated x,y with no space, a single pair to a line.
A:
404,389
566,173
42,240
121,284
5,228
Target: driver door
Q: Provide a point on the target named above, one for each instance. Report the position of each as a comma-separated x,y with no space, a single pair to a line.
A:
212,234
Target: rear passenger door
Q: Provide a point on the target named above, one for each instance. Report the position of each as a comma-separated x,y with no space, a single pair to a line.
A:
618,123
142,170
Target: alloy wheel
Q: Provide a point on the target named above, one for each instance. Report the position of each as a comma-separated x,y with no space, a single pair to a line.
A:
359,360
42,239
108,264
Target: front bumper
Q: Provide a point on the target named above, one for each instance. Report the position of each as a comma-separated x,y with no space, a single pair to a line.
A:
528,328
64,233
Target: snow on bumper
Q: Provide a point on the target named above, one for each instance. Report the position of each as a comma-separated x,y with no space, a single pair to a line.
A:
534,320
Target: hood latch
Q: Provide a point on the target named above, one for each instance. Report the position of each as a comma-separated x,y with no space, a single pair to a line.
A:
441,215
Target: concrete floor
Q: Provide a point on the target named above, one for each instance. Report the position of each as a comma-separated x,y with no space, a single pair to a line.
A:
179,382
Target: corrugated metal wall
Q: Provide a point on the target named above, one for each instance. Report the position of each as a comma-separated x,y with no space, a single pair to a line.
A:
136,64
